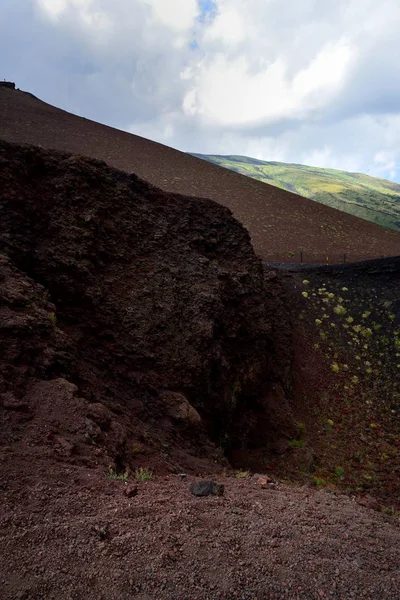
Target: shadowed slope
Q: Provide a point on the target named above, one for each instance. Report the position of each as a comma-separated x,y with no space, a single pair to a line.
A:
280,222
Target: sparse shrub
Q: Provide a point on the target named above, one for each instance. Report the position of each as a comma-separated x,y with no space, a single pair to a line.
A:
242,474
328,425
112,474
359,456
390,510
366,332
318,481
143,474
136,449
296,444
299,442
53,318
302,430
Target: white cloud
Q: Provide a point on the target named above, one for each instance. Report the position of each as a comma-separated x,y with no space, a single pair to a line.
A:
232,92
294,80
53,8
228,27
385,164
327,158
176,14
85,13
325,75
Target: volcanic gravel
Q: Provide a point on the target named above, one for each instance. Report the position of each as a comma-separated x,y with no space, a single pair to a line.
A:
60,540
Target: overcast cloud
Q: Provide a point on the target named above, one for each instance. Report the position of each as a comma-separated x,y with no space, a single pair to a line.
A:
308,81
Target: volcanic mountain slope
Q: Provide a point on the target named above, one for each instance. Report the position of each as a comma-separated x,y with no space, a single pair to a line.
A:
371,198
280,223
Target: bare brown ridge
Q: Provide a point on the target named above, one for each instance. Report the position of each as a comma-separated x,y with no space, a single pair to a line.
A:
280,223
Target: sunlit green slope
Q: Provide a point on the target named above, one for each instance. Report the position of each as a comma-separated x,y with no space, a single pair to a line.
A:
370,198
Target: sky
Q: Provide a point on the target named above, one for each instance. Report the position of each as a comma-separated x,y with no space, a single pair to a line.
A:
315,82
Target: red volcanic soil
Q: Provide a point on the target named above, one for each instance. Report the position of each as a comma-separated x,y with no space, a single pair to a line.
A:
280,223
73,534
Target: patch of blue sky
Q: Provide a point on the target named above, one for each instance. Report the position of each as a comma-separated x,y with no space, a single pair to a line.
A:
208,9
208,12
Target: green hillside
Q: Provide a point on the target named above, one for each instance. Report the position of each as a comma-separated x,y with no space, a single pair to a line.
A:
370,198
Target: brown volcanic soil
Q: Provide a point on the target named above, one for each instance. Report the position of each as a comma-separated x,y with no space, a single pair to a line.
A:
71,533
280,223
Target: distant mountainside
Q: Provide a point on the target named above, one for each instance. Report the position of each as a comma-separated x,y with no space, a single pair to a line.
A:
284,227
370,198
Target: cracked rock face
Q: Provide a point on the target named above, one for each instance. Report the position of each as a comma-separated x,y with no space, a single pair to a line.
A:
154,305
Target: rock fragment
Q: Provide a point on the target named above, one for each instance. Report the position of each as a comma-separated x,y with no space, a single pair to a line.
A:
130,491
206,488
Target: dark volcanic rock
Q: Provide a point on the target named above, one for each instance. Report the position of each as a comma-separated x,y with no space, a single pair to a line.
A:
154,305
7,84
130,491
206,488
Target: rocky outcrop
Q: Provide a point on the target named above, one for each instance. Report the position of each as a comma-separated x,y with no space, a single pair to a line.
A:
7,84
154,306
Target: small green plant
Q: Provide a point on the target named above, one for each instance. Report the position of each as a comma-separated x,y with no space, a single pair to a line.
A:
299,441
390,510
301,430
112,474
339,471
296,444
328,425
136,449
224,441
318,481
242,474
143,474
52,317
